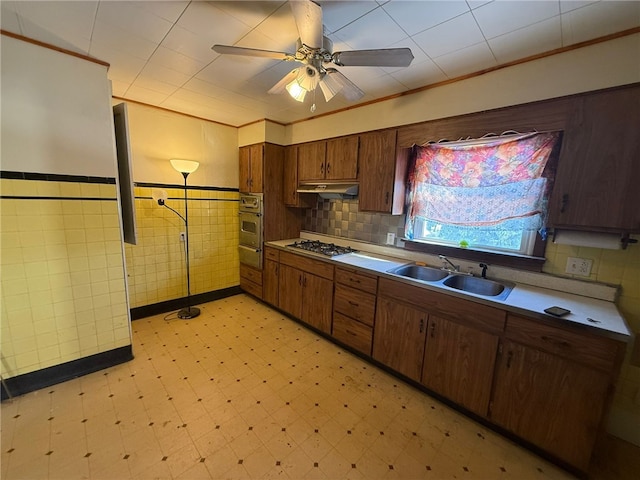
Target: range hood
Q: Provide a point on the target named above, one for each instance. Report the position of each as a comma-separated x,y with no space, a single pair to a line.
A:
330,190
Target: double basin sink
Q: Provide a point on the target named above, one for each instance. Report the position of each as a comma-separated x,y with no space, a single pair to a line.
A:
457,281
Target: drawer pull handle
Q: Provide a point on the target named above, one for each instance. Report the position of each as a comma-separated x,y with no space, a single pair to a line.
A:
509,358
354,280
433,329
353,304
557,343
422,325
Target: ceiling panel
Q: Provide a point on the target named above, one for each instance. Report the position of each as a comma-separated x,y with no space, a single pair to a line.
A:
160,51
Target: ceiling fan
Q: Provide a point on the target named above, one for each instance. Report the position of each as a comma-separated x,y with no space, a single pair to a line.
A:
314,52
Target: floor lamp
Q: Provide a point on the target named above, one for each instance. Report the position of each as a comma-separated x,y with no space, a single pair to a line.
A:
185,167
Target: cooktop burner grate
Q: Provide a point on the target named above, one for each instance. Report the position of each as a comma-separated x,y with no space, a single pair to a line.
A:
316,246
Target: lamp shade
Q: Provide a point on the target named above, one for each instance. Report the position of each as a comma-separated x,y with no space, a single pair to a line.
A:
184,166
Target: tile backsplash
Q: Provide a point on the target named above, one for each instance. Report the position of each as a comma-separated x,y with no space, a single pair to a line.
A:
341,218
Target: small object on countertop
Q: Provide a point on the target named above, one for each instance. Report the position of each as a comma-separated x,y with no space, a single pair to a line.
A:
592,320
557,311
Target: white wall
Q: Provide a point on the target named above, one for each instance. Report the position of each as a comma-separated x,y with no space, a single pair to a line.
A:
53,112
157,136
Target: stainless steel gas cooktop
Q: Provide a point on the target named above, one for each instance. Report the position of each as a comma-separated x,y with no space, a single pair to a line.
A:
316,246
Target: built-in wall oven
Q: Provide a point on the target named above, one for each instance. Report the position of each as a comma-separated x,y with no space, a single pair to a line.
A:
250,213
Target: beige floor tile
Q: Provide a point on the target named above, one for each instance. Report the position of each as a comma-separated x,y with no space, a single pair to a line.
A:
207,398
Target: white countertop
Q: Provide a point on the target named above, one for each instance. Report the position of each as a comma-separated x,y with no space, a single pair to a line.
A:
600,316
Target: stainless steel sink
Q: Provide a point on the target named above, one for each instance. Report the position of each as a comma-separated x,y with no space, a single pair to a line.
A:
478,286
420,272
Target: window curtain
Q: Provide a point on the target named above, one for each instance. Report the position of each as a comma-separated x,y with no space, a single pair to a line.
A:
498,184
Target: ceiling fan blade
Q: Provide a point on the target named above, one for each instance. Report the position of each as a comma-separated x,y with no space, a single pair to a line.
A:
280,87
349,89
251,52
308,16
388,57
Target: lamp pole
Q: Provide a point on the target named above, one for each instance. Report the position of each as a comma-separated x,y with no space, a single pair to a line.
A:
189,312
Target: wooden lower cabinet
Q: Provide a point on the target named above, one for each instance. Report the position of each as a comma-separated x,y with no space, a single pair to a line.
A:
251,280
306,296
459,362
399,337
270,276
554,403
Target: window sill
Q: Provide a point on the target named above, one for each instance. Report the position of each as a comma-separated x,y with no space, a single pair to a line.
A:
520,262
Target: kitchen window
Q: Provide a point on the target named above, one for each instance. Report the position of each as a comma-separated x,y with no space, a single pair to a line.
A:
487,194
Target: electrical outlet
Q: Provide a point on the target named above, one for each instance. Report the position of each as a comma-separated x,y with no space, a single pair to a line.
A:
579,266
391,238
183,236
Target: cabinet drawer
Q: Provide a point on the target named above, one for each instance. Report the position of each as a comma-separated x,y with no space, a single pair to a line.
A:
251,274
272,254
355,279
251,287
317,267
355,304
352,333
595,351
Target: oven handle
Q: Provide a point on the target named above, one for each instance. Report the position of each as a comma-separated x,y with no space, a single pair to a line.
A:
257,250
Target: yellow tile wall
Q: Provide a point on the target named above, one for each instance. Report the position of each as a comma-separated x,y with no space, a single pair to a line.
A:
156,265
618,267
62,277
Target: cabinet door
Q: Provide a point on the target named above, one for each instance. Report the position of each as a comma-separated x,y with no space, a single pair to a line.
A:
257,154
554,403
244,156
311,161
291,197
377,158
598,171
317,302
270,282
290,290
342,159
459,363
399,337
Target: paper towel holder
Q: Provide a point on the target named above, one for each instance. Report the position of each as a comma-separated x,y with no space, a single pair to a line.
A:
625,240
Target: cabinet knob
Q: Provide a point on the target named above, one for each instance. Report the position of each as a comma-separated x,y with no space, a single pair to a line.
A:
509,358
328,168
421,325
433,329
386,198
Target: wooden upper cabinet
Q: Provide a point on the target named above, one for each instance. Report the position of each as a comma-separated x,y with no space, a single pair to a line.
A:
291,197
599,166
251,168
330,160
311,161
382,173
342,159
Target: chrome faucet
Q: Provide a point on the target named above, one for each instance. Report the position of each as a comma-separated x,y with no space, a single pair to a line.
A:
456,268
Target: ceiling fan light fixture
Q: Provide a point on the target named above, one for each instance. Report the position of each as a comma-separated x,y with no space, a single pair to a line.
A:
296,91
329,86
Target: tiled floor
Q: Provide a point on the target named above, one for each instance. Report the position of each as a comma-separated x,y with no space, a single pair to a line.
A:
243,392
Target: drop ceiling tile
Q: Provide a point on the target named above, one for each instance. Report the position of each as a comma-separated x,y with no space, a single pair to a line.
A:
123,67
118,88
166,75
145,95
65,24
466,60
110,37
211,24
155,85
230,70
130,17
420,74
176,61
169,10
498,18
336,15
534,39
599,19
414,17
449,36
568,5
377,31
189,44
253,13
9,17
